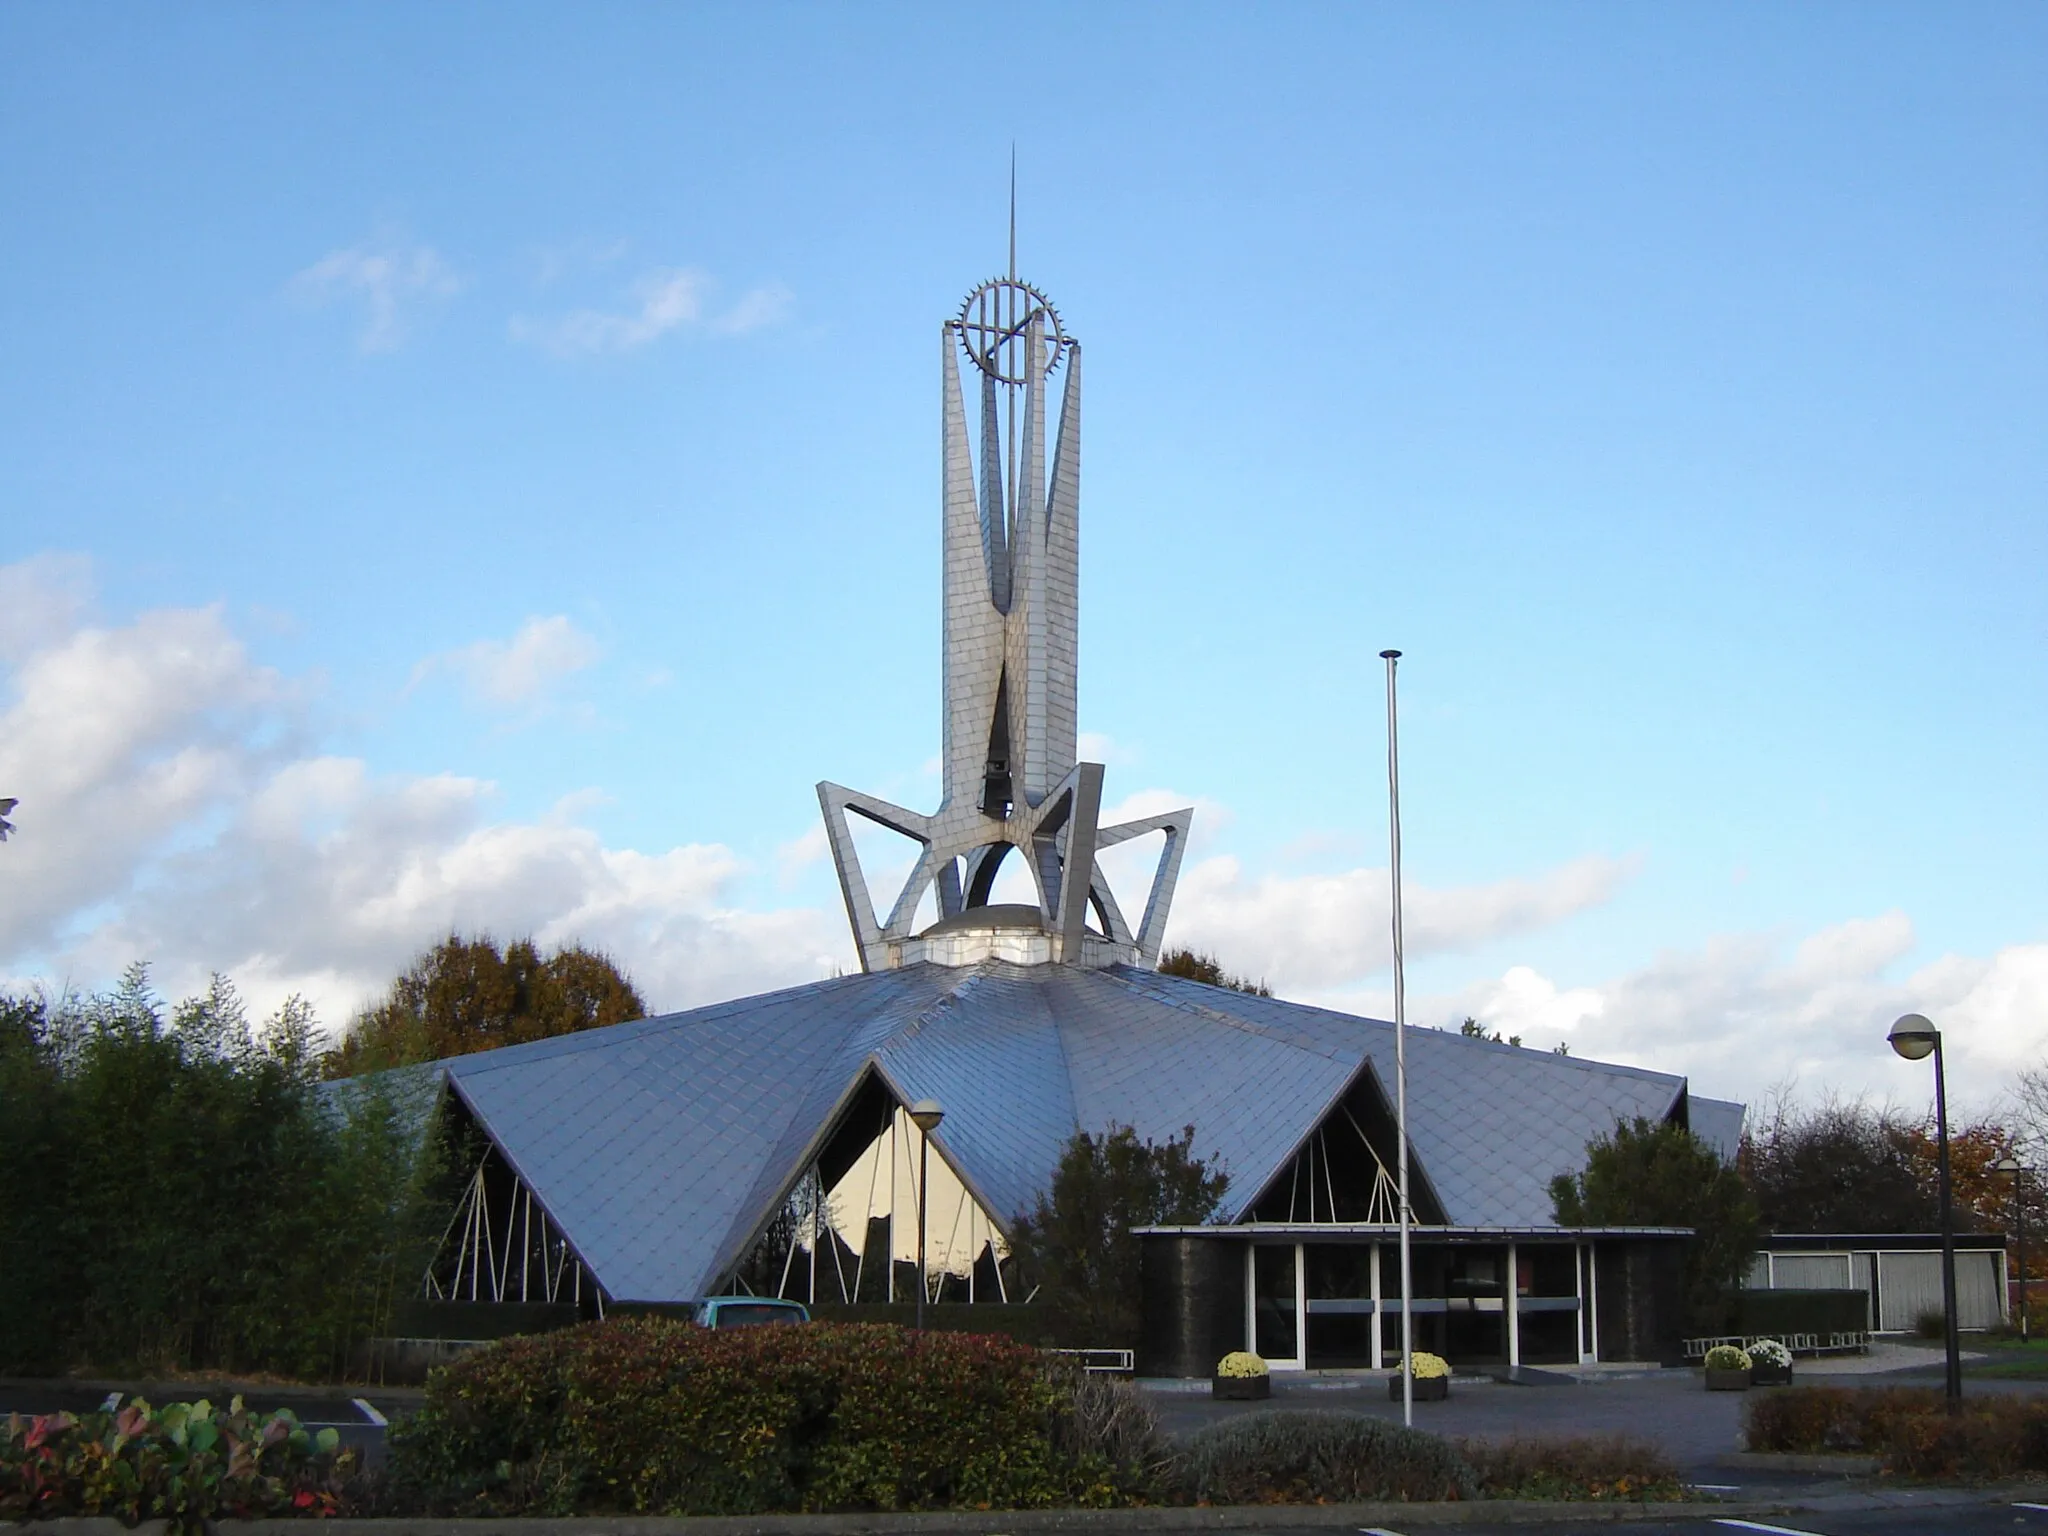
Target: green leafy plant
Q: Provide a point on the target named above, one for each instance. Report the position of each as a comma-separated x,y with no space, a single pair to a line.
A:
186,1463
1282,1457
651,1416
1590,1467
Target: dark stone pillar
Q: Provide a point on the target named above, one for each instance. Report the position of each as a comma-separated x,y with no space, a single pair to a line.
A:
1194,1304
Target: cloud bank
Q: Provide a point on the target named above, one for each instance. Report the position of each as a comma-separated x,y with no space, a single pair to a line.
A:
173,809
176,807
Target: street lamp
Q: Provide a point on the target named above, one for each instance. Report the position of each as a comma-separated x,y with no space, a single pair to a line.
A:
1914,1037
2012,1166
927,1115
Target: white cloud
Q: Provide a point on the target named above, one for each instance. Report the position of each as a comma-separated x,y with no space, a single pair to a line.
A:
1313,934
392,279
172,812
757,307
662,300
1739,1014
520,670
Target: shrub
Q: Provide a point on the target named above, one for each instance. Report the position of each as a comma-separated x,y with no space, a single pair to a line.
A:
1106,1426
1909,1429
1574,1467
1279,1457
1428,1367
1769,1352
648,1415
1240,1363
1727,1357
185,1463
1931,1324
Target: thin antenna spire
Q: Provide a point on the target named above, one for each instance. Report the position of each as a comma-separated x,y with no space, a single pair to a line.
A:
1013,210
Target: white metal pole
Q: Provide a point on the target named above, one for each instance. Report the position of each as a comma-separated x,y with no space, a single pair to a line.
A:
1400,1045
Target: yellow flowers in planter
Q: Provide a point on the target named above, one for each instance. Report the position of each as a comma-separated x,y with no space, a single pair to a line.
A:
1240,1362
1428,1367
1729,1357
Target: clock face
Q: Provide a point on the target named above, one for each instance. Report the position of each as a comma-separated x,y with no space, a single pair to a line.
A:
995,327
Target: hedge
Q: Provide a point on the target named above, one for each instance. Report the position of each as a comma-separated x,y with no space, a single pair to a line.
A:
1909,1429
1802,1311
1278,1456
652,1416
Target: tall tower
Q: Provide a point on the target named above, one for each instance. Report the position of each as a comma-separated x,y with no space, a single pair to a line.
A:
1011,624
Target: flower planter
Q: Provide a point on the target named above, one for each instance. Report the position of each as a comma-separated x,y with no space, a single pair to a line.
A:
1727,1381
1241,1389
1428,1389
1762,1375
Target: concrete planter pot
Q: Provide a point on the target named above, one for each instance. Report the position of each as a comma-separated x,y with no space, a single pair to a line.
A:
1428,1389
1727,1381
1761,1375
1241,1389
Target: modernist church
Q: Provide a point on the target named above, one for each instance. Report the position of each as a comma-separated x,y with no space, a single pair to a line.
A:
765,1144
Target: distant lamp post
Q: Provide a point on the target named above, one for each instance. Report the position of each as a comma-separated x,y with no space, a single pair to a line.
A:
1914,1037
2013,1166
927,1115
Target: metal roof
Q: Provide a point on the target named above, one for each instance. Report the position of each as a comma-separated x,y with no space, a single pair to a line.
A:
659,1147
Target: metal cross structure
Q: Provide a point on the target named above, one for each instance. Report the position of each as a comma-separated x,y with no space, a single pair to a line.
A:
1012,775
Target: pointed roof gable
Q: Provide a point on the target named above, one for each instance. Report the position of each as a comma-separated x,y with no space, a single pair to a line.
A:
660,1147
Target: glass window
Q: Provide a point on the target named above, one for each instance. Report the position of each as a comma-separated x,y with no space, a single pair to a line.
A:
1275,1332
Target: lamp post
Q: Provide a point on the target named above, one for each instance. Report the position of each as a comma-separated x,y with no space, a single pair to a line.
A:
927,1115
1914,1037
1392,658
2012,1166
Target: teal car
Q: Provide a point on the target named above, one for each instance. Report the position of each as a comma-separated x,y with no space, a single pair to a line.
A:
747,1312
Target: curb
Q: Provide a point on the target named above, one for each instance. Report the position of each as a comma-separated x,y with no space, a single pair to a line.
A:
1847,1465
1016,1522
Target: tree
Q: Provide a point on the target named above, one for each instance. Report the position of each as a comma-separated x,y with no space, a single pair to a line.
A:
466,995
183,1195
1839,1167
1076,1245
1206,968
1472,1029
1661,1175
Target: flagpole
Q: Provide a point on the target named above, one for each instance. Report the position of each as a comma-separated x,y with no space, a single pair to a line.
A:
1400,1043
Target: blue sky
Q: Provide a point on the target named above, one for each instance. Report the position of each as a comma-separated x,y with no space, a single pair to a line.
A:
477,466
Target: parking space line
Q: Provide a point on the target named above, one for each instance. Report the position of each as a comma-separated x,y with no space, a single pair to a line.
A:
1376,1530
112,1404
1771,1530
2019,1504
370,1413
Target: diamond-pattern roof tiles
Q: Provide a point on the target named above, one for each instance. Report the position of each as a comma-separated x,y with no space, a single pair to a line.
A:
660,1146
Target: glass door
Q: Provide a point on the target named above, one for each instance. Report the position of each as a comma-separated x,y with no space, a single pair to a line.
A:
1276,1304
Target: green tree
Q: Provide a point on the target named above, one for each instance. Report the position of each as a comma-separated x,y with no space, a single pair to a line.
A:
466,995
1840,1167
1075,1245
183,1194
1472,1029
1208,969
1661,1175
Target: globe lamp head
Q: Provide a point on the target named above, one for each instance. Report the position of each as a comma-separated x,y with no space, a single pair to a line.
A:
927,1115
1915,1037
